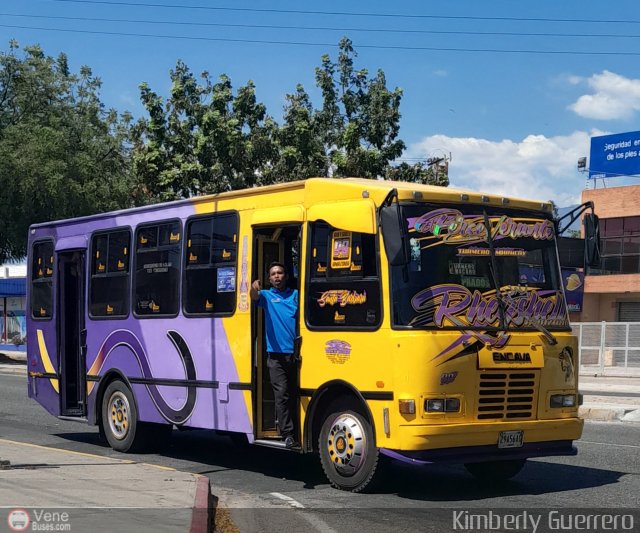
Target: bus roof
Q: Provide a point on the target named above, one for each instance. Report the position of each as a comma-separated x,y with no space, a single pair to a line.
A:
315,190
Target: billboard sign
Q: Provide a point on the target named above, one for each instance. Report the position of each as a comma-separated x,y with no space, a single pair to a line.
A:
573,282
615,155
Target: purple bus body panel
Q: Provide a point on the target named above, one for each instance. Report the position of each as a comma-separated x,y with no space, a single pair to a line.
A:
146,349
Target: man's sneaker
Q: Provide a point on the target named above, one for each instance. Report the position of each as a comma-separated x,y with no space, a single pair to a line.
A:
290,442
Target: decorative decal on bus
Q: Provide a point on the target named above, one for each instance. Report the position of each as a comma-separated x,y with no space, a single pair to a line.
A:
455,305
342,297
447,378
337,351
123,337
243,302
450,226
566,364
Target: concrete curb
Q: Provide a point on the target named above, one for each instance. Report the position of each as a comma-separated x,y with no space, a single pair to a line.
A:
609,414
202,512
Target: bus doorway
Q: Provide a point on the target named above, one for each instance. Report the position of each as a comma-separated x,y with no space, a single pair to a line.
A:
271,244
72,333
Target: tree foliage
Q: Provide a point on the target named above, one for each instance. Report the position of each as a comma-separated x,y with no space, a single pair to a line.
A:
62,154
360,117
203,138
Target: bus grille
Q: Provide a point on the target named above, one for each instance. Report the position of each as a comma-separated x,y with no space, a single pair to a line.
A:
507,395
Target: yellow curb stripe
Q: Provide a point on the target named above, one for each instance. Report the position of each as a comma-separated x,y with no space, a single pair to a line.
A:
91,455
70,452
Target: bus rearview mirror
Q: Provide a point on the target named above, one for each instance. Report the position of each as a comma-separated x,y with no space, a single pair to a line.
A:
591,240
396,242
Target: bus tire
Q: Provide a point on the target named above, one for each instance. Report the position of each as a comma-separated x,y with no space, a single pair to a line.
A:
120,418
496,470
348,453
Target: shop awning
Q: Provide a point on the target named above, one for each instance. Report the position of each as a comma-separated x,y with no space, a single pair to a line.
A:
13,287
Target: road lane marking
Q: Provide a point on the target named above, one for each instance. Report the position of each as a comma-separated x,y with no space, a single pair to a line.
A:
317,523
608,444
288,499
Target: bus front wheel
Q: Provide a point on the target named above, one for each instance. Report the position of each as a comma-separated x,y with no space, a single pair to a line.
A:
120,418
347,448
495,470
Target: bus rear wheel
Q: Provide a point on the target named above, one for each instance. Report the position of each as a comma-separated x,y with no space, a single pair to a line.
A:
120,418
347,448
496,470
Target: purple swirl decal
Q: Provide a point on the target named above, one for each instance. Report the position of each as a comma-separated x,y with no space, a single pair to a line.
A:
123,337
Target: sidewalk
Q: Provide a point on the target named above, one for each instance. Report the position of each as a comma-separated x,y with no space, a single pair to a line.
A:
94,493
608,398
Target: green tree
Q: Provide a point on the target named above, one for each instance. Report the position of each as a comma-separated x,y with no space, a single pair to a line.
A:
360,117
63,155
301,152
420,172
203,139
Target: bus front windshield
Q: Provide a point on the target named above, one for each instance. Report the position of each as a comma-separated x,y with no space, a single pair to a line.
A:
454,269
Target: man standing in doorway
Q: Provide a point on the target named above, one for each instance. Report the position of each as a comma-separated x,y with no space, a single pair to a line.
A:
280,305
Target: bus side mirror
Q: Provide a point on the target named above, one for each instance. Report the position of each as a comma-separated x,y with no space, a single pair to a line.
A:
591,240
396,243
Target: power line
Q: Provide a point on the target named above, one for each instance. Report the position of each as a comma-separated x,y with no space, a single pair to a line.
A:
332,45
346,13
324,28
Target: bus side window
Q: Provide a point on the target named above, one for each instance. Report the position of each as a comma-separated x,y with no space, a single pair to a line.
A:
42,280
109,283
344,286
209,285
157,272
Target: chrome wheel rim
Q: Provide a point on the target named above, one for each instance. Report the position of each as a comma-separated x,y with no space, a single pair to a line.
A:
346,444
119,413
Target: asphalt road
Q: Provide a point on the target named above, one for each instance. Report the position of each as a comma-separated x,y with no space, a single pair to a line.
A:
273,490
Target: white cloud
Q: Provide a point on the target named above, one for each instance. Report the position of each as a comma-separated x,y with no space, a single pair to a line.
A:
538,167
441,73
613,97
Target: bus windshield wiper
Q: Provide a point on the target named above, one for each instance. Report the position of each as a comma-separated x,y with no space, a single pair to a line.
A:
493,268
547,334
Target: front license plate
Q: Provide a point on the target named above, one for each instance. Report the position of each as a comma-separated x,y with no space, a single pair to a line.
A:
511,439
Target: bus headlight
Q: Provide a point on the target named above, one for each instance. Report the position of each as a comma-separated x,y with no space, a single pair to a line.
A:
435,405
562,400
442,405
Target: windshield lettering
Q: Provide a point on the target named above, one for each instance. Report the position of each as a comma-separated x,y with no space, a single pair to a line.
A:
455,305
453,227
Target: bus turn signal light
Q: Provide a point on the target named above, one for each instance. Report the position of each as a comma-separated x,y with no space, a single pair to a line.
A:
407,407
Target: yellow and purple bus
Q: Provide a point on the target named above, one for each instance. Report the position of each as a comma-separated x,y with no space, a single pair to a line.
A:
433,322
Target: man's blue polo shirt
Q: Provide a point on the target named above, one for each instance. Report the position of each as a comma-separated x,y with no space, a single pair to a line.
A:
280,310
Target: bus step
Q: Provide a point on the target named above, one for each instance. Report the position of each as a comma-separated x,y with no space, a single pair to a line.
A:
73,418
271,443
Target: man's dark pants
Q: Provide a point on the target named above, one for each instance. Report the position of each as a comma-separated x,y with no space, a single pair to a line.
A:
282,371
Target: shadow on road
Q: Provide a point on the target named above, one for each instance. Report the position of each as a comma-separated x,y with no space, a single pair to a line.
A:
208,453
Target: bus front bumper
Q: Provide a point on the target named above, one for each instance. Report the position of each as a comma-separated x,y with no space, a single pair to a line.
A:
478,442
481,454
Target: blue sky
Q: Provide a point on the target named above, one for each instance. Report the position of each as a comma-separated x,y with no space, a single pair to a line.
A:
489,82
